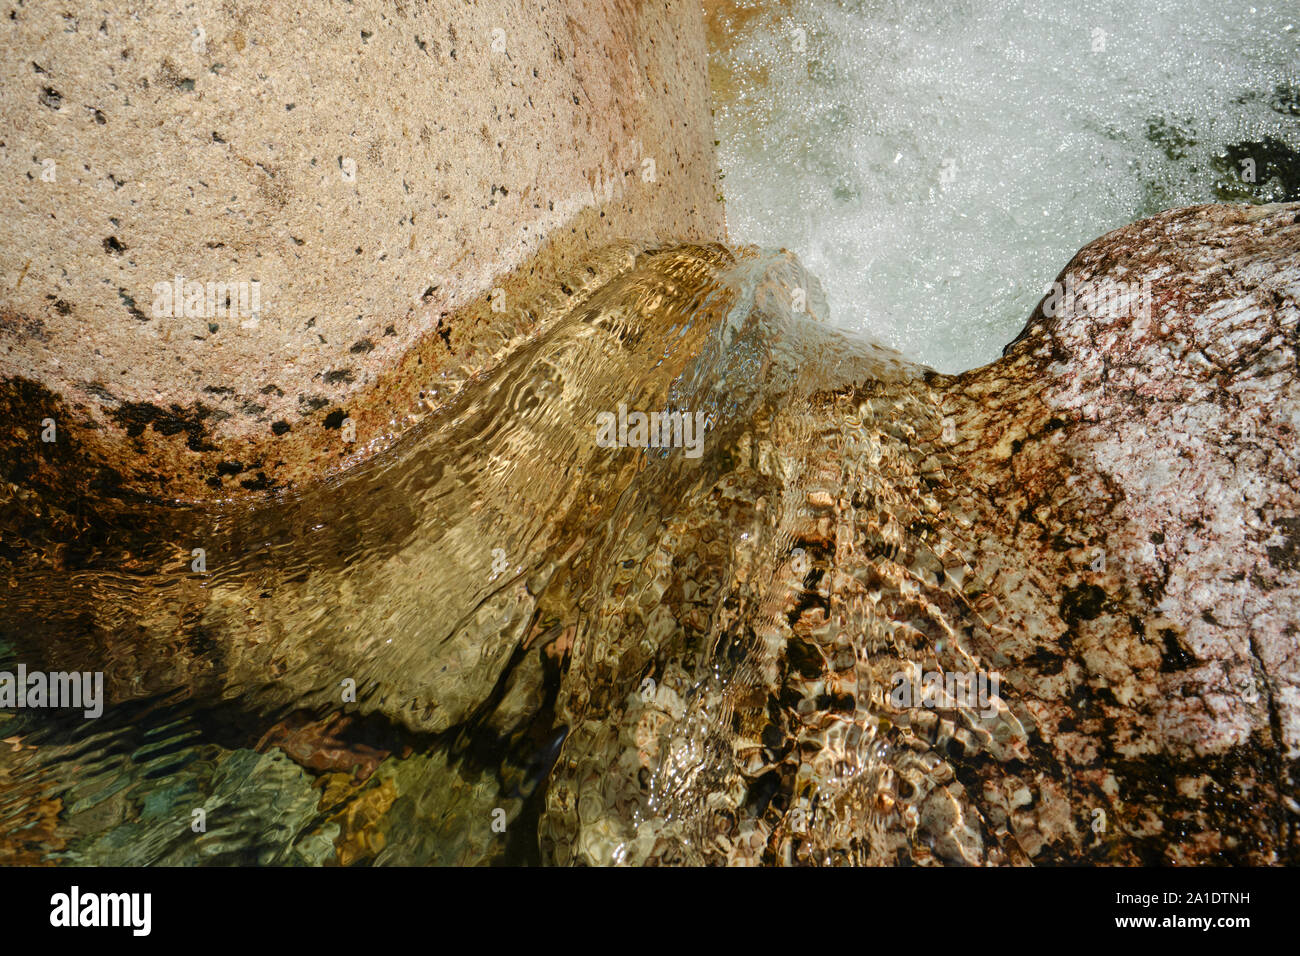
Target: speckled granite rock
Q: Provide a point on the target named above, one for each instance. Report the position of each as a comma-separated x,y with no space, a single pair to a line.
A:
1136,481
377,169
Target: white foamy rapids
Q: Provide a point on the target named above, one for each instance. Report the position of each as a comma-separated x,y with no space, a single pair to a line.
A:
936,164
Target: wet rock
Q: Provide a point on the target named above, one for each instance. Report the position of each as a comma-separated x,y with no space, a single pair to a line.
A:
315,745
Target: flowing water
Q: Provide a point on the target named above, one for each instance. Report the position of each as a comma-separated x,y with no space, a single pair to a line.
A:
504,642
935,164
372,671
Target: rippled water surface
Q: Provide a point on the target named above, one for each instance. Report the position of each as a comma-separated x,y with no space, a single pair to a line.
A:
369,672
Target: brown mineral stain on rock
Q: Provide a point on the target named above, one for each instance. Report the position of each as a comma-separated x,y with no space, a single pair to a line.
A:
35,828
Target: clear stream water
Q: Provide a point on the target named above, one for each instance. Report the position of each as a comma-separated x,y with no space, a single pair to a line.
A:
935,164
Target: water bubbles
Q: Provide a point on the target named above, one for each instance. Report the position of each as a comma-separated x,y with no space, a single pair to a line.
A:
991,140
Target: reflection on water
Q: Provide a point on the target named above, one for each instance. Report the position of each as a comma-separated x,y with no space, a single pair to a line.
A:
499,629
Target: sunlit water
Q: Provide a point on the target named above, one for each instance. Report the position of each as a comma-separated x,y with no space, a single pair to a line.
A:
935,164
369,671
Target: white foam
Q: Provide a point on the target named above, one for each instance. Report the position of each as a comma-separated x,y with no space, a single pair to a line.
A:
836,152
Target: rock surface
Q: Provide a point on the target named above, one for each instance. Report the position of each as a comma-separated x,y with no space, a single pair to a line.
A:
377,169
1105,519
